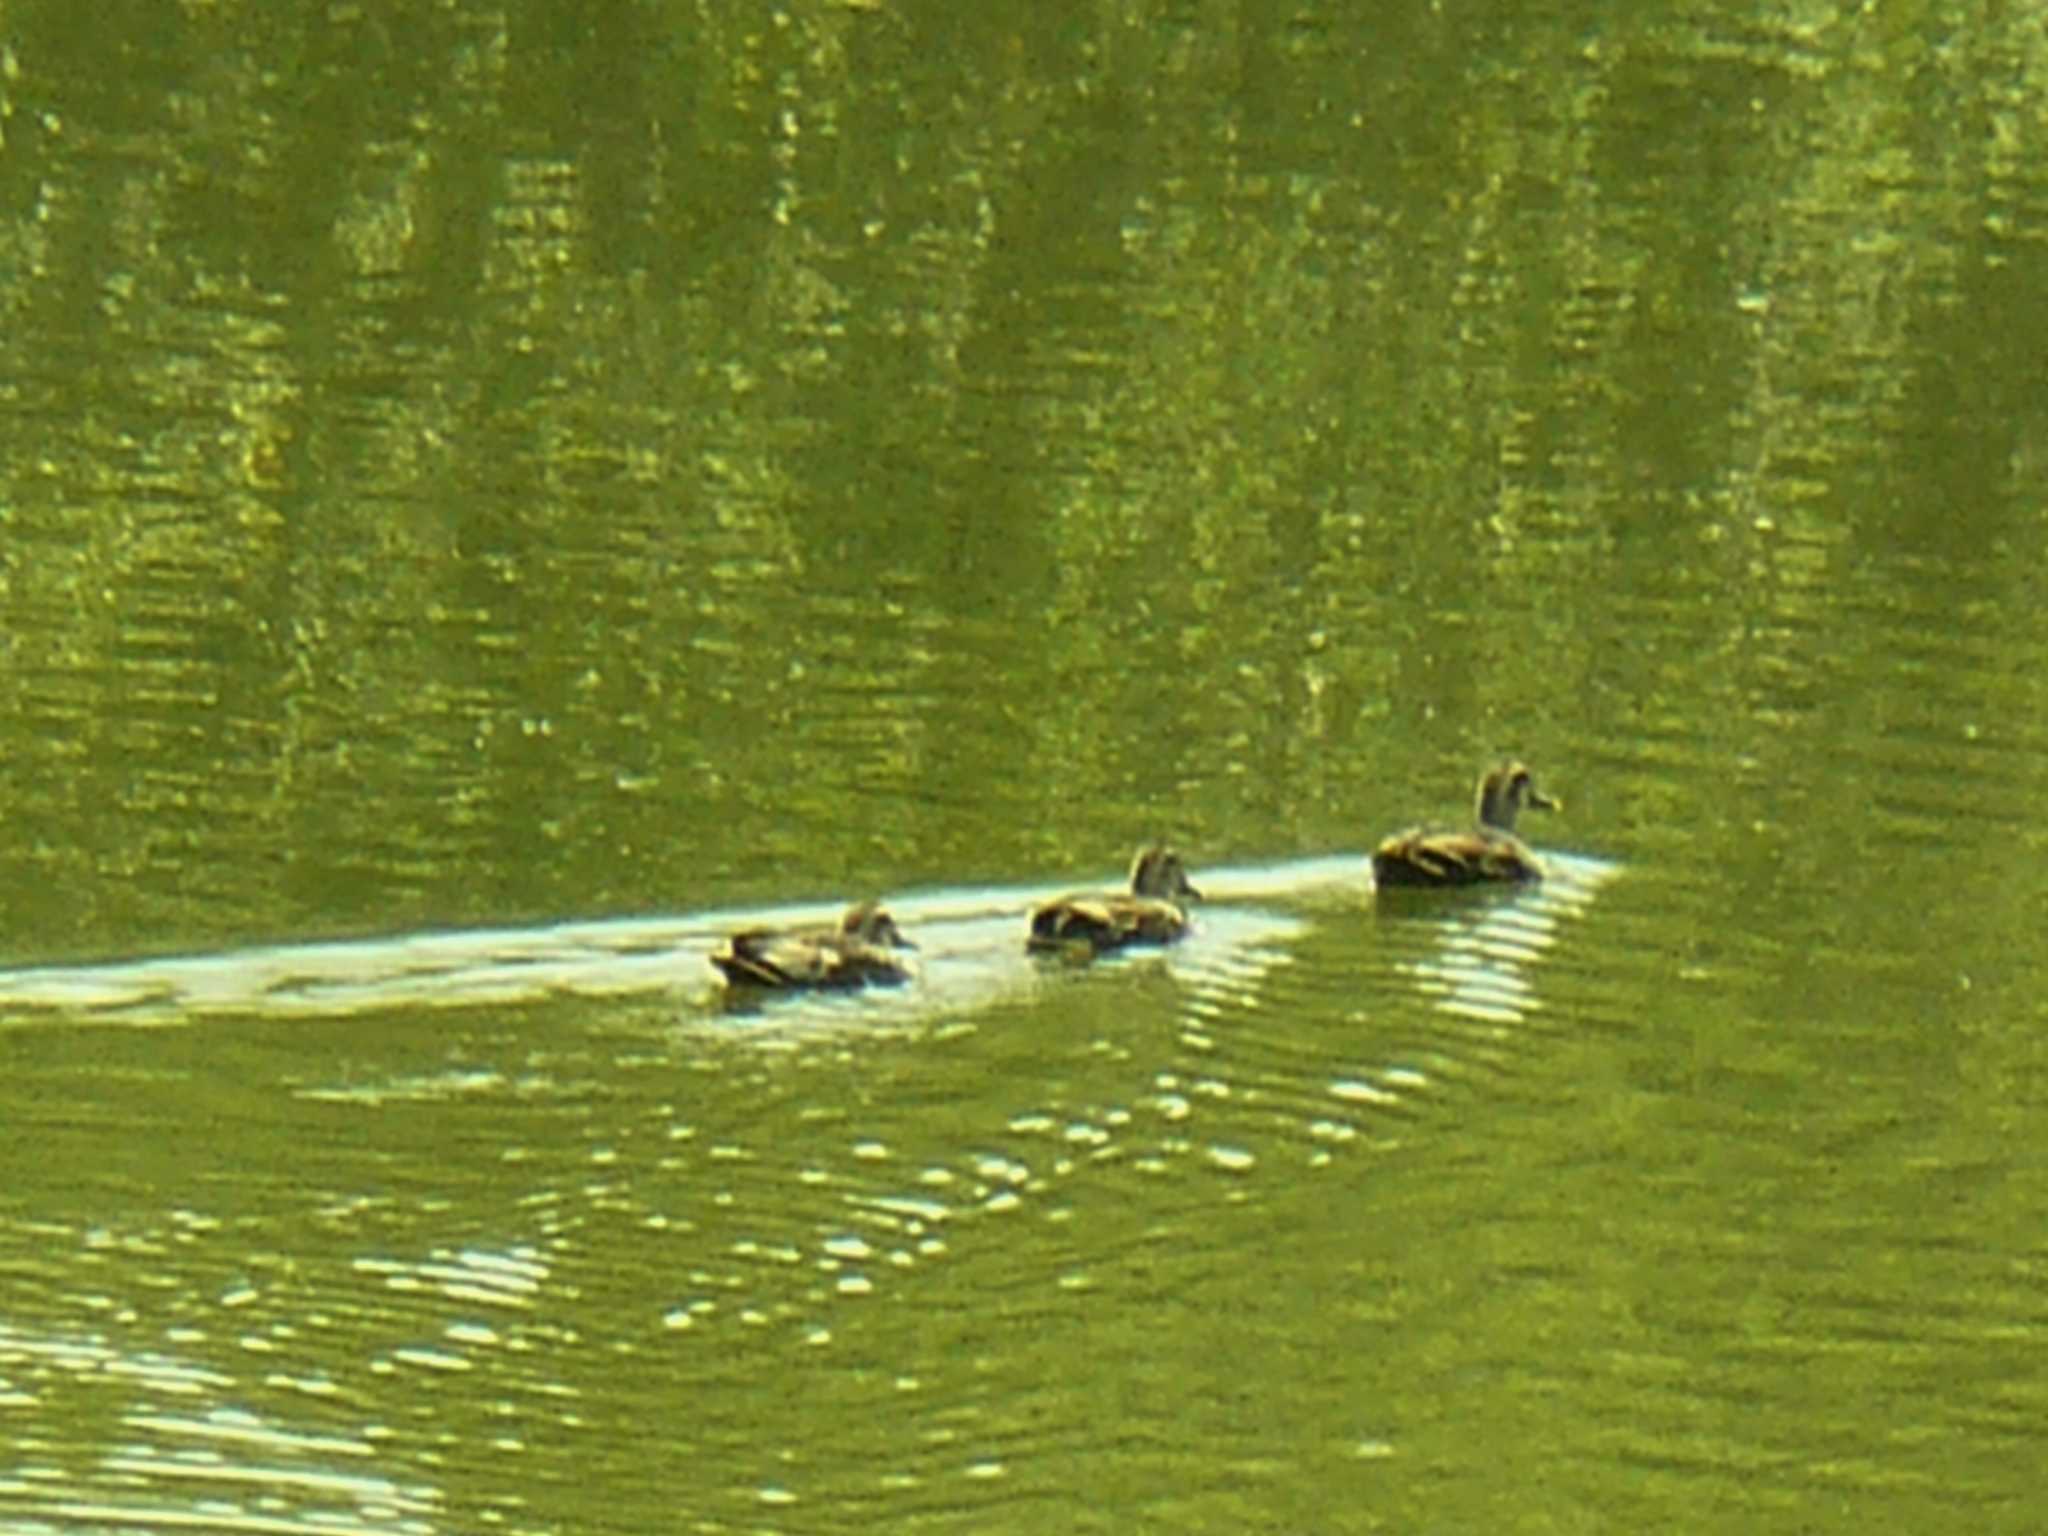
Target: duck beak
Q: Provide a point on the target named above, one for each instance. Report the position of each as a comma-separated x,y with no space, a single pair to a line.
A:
1187,889
1543,802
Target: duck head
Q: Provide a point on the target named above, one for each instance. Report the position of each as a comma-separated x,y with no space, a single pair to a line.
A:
1503,791
869,922
1158,871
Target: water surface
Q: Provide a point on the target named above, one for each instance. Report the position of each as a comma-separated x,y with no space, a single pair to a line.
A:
493,500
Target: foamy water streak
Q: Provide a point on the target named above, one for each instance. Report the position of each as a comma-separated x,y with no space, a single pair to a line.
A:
970,945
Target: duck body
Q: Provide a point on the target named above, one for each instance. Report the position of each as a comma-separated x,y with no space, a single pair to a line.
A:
1486,853
863,949
1097,923
1427,858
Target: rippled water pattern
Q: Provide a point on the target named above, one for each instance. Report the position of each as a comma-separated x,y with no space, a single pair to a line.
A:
495,500
614,1225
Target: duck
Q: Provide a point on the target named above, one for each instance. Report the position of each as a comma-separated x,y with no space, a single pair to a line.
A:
1095,923
1490,851
862,949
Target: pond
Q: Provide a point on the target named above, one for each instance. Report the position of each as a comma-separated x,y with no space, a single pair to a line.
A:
499,497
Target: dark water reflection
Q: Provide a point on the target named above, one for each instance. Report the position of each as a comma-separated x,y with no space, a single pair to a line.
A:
473,486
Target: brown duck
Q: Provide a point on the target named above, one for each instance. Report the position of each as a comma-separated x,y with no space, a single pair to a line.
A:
1489,851
863,949
1096,923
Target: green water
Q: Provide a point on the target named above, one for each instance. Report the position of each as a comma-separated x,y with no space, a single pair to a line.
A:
521,490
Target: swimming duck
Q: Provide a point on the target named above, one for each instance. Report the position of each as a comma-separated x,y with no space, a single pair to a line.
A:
1489,851
1099,922
860,951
